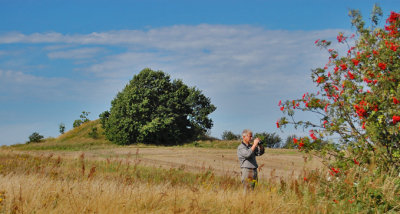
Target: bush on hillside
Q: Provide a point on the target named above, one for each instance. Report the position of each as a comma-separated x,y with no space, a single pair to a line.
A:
93,133
61,128
83,119
35,137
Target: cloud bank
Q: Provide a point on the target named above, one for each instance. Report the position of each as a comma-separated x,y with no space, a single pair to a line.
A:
244,69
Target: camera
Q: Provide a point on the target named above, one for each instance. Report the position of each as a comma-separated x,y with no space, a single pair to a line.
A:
260,149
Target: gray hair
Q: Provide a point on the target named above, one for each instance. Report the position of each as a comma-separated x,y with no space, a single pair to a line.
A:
246,132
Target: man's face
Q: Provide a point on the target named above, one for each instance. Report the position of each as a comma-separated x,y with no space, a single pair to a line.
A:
247,138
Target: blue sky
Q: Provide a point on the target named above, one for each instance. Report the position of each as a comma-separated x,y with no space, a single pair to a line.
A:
59,58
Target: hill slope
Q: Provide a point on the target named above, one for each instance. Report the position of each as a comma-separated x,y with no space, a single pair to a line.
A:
87,136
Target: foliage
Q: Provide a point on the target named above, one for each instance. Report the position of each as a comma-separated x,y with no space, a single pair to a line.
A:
104,117
83,119
61,128
35,137
361,189
154,109
270,140
357,102
289,142
93,133
229,135
77,123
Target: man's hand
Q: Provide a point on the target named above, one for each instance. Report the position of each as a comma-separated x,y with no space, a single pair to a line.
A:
255,144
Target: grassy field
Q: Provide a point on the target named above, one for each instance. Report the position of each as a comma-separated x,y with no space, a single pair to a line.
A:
54,183
75,173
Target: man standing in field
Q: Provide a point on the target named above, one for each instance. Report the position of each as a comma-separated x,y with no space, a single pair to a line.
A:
247,158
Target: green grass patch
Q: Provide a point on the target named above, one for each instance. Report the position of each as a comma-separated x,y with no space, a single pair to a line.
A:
220,144
282,151
83,146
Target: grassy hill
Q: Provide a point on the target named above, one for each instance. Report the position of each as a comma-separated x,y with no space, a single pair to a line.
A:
79,138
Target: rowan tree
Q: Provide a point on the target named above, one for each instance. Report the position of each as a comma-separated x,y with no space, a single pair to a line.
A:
357,98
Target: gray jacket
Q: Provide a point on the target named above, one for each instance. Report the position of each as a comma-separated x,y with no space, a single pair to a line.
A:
247,158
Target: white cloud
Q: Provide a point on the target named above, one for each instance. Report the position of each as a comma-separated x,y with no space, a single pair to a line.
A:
216,57
10,38
18,86
57,47
79,53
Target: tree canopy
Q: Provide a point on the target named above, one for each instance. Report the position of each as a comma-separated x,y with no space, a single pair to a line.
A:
35,137
229,135
153,109
270,140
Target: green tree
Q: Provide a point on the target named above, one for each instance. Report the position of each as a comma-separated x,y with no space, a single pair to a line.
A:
83,119
35,137
104,117
357,100
61,128
228,135
154,109
289,142
270,140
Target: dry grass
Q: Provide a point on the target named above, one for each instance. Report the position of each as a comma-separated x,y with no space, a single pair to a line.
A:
77,174
46,192
45,195
35,193
53,183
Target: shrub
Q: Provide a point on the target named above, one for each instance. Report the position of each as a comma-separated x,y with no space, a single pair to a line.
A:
35,137
83,119
93,133
61,128
228,135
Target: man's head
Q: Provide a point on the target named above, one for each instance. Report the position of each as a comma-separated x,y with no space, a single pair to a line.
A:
247,135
